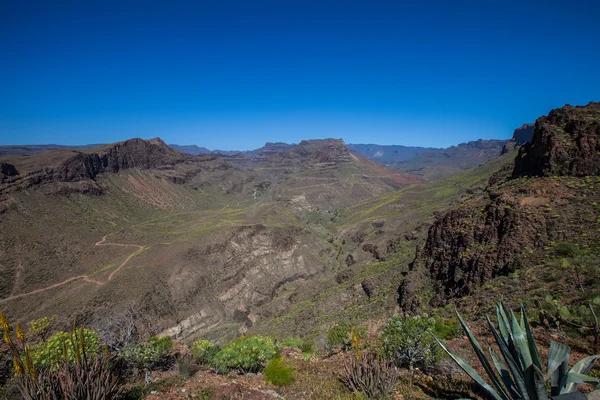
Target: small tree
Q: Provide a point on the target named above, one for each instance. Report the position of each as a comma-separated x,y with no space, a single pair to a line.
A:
407,341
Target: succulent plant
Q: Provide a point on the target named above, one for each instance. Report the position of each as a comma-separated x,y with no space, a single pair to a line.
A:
521,374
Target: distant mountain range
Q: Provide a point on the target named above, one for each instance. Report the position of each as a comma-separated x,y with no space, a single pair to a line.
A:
425,162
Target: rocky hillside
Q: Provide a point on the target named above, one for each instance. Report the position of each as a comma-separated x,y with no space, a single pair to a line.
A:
70,166
566,142
493,233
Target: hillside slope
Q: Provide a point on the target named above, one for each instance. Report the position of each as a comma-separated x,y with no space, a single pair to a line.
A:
517,219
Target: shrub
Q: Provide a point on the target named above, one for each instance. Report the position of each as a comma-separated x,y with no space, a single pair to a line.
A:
279,372
522,376
246,354
447,329
408,341
41,327
204,351
370,375
339,337
44,354
304,344
148,355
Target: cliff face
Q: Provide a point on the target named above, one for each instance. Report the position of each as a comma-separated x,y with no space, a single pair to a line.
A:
78,166
523,134
566,142
470,246
492,234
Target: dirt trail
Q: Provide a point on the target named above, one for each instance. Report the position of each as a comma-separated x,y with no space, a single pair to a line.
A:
84,277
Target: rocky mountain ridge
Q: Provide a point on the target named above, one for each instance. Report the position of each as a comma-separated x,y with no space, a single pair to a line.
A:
491,234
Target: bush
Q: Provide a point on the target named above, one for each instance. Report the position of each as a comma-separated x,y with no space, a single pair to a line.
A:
148,355
246,354
44,354
204,351
408,341
279,372
304,344
339,337
447,329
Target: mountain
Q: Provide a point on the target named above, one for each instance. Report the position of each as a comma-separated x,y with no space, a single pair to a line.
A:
190,149
431,163
205,245
546,197
388,154
28,150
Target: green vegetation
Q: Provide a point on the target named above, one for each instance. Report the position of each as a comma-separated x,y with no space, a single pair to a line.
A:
148,354
338,337
408,341
73,372
279,372
522,376
304,344
44,354
245,354
204,351
41,327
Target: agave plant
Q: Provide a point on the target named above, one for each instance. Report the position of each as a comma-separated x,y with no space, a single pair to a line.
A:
521,376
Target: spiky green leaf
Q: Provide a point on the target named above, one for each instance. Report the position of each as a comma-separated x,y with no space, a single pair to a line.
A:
472,373
520,341
574,379
509,383
482,358
536,385
513,365
535,354
582,367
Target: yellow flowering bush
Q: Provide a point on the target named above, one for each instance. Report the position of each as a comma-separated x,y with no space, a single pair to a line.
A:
245,354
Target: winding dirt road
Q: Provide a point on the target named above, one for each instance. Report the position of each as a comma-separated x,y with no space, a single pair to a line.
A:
84,277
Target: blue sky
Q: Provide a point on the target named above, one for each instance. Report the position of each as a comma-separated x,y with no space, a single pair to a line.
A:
234,75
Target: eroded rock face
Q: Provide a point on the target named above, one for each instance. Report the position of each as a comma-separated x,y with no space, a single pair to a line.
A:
490,235
470,246
566,142
523,134
8,169
86,166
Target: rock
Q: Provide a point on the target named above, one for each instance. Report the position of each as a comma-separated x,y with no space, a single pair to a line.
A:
8,169
466,249
373,249
368,287
343,276
349,260
523,134
232,391
566,142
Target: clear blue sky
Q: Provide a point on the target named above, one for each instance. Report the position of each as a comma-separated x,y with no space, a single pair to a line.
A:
233,75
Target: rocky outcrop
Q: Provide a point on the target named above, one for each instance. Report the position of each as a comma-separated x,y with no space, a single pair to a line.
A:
330,151
78,166
566,142
7,169
523,134
470,246
490,235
